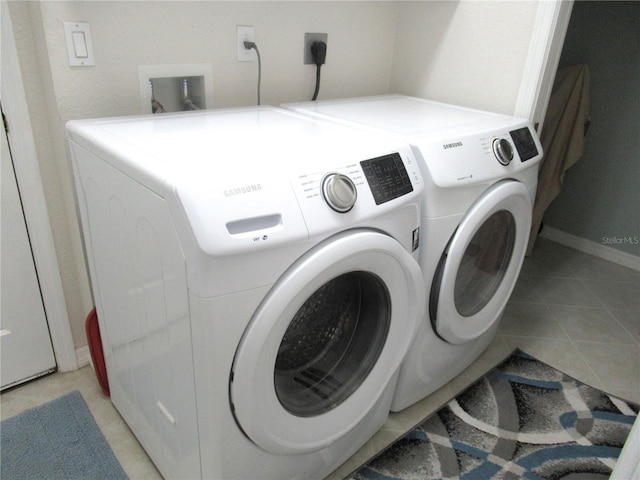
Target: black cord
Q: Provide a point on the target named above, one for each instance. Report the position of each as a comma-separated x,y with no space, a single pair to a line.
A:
315,93
249,46
319,53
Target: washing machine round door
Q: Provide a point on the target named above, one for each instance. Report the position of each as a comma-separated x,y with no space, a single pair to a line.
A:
479,268
326,342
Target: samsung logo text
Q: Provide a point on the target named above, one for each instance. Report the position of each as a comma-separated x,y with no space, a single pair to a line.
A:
232,192
447,146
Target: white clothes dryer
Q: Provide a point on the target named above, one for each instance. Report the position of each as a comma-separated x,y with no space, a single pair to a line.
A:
256,280
480,171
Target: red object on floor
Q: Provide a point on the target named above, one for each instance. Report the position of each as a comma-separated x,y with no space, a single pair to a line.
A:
95,348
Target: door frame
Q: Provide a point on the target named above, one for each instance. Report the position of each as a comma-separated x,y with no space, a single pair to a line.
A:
20,135
545,46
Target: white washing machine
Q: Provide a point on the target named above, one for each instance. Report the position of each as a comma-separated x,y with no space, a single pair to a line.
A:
480,171
256,280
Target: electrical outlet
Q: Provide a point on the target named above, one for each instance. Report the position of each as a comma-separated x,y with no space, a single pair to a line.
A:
309,38
245,33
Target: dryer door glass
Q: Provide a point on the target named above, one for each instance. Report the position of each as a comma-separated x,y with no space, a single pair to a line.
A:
332,344
484,263
480,266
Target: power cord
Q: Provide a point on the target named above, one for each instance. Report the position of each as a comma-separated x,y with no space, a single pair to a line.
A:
249,46
319,53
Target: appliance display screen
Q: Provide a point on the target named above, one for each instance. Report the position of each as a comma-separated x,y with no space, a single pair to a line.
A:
387,177
524,143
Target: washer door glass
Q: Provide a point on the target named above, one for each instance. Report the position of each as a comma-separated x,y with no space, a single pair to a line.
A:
332,344
323,348
478,270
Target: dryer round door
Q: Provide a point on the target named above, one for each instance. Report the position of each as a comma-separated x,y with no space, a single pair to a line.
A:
479,268
326,342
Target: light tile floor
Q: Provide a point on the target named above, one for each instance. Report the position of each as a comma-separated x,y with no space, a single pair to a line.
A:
571,310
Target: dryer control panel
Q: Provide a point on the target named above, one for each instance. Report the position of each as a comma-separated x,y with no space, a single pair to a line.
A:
482,157
526,146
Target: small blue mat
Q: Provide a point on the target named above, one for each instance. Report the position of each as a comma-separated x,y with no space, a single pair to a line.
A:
58,440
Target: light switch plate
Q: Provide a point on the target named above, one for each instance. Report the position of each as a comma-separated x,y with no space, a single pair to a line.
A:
79,45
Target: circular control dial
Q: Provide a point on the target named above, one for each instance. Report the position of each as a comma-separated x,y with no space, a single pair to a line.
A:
339,192
503,150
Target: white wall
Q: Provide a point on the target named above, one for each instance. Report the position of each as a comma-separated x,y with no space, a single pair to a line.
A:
469,53
128,34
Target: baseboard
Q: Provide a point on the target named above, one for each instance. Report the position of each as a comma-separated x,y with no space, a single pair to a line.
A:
83,356
587,246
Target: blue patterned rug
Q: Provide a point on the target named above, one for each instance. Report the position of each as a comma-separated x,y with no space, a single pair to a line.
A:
524,419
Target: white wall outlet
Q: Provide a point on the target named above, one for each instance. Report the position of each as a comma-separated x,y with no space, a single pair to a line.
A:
245,33
309,38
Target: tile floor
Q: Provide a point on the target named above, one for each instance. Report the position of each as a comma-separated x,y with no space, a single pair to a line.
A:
571,310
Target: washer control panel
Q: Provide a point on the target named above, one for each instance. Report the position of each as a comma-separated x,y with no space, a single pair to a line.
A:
352,192
339,192
387,177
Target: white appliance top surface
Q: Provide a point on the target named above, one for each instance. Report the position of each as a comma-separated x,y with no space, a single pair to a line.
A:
408,115
244,175
453,145
234,141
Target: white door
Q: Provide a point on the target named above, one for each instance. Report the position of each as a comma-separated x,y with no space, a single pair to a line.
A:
325,343
25,345
479,268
